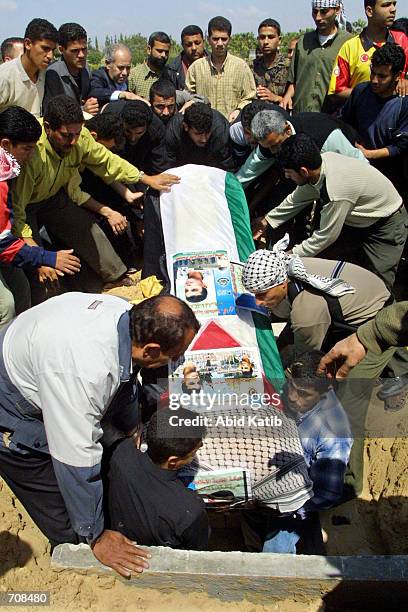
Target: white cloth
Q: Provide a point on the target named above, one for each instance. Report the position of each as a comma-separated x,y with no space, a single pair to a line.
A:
17,89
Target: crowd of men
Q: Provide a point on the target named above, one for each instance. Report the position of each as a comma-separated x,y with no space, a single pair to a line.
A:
318,138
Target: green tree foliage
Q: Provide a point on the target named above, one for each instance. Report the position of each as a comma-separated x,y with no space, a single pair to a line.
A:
241,44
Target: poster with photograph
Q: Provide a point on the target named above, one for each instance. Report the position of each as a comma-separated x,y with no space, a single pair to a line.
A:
232,480
204,281
218,376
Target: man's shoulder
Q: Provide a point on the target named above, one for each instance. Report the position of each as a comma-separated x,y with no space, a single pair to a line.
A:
237,61
10,68
124,455
59,67
138,69
350,44
99,73
200,63
175,64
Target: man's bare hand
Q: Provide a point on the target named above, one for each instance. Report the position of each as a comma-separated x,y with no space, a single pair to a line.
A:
186,106
259,227
264,93
67,263
91,106
287,102
402,88
128,95
117,222
233,115
160,182
342,358
134,197
121,554
48,275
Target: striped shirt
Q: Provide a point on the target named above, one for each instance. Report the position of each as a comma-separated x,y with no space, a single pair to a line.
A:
229,89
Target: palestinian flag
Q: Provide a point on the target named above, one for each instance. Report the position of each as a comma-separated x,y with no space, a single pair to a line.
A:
205,212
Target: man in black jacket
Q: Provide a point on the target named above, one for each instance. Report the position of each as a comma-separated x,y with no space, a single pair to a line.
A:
111,82
192,41
70,75
144,133
200,136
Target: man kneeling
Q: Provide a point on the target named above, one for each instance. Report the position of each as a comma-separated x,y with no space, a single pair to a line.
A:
326,441
147,501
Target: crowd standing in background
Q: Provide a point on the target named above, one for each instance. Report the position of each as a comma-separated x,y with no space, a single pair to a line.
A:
317,136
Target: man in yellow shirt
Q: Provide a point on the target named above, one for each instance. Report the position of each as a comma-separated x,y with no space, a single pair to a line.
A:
47,193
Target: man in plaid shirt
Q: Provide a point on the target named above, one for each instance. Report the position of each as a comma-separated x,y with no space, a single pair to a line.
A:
326,439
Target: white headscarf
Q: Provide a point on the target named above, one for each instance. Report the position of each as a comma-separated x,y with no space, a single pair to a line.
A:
267,269
322,4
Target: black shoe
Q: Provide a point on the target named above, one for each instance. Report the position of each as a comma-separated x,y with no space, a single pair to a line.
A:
393,386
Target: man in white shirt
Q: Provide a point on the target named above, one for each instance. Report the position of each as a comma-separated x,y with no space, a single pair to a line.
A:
22,79
64,365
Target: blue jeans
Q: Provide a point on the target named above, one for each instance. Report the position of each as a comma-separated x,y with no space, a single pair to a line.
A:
284,533
281,541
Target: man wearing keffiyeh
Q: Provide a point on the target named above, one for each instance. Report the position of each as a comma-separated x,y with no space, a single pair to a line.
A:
314,57
294,288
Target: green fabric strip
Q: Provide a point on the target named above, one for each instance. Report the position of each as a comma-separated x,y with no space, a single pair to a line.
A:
238,208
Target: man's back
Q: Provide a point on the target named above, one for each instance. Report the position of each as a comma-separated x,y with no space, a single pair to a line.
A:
309,313
150,505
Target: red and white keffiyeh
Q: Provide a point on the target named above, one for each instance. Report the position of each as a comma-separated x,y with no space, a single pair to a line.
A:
9,167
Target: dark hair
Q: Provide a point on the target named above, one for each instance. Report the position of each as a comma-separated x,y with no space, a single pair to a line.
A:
401,25
390,54
151,323
70,32
41,29
18,125
108,125
304,369
191,30
165,440
371,3
199,116
160,37
250,110
163,88
7,45
270,23
136,113
62,110
198,298
219,23
300,151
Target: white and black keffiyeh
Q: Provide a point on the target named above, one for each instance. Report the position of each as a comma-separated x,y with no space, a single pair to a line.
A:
267,269
323,4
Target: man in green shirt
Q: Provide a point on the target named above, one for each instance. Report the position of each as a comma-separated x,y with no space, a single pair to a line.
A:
142,76
47,193
314,58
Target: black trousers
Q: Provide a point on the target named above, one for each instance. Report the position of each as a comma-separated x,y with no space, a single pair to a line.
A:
32,479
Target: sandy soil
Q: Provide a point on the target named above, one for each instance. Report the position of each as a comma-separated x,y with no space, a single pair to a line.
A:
377,523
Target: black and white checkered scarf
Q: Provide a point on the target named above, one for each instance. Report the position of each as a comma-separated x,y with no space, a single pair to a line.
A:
267,269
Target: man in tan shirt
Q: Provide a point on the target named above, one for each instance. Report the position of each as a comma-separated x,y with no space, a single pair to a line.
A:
22,79
362,217
224,79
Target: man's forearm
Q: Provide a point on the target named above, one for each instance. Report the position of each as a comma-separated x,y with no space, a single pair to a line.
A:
97,207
